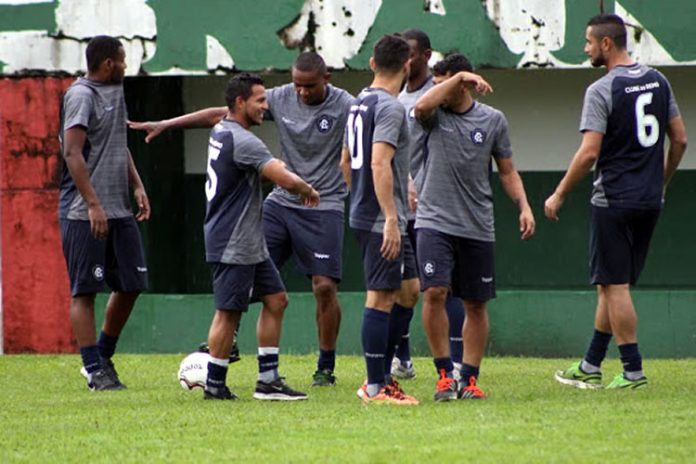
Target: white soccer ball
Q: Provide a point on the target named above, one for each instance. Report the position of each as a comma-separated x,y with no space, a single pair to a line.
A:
193,371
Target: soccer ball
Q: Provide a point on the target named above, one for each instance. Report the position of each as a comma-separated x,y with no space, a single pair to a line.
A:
193,371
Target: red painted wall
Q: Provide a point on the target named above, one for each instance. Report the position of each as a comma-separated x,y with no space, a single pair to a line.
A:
35,294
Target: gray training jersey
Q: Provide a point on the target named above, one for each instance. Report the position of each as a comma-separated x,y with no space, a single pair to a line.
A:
456,196
417,139
376,116
311,139
101,110
233,226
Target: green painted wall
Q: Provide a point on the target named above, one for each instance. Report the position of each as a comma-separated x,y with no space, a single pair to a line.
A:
523,323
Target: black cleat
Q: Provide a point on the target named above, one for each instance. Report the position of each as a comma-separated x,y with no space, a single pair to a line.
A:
108,366
102,381
218,393
277,390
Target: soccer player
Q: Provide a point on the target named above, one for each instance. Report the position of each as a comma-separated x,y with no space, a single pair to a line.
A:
375,165
234,242
100,237
625,117
310,115
454,220
420,81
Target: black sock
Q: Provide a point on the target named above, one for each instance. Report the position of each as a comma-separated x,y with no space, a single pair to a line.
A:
90,358
597,350
327,360
455,314
375,331
443,364
469,371
217,373
403,351
398,320
631,360
107,345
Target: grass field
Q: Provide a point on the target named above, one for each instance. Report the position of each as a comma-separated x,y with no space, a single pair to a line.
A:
47,415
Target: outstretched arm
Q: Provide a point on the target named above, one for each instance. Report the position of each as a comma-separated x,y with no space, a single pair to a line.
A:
582,163
276,172
514,188
199,119
429,102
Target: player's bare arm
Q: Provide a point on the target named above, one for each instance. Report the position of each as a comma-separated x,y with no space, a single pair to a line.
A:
383,179
345,165
74,142
436,96
676,132
412,194
514,188
205,118
582,163
276,172
139,192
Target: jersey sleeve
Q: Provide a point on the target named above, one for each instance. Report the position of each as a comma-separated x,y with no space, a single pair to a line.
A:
77,108
595,111
673,108
388,121
251,153
501,144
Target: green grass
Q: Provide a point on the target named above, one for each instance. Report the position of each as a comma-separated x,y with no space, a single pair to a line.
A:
47,414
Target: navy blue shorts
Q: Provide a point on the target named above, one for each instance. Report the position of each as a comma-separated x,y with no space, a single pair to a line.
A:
118,261
619,242
237,285
315,237
379,273
464,265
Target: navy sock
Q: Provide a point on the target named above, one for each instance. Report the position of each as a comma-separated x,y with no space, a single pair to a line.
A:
455,314
443,364
597,350
403,351
217,372
90,358
469,371
327,360
375,331
107,345
268,363
630,357
398,320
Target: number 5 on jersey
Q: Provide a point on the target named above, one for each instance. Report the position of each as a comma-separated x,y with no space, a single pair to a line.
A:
212,181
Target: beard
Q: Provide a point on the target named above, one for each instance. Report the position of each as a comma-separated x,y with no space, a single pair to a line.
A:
598,62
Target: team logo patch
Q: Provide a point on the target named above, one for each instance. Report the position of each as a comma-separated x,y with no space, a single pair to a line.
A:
478,136
429,268
98,272
324,123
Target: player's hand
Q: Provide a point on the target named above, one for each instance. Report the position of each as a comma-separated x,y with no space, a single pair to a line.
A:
98,222
412,196
311,198
527,224
553,205
153,128
391,240
143,203
476,82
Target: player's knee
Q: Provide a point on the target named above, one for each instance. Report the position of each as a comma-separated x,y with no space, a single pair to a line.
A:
435,295
324,289
277,303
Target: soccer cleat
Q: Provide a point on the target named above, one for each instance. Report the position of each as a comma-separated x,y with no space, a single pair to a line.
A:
218,393
394,390
402,371
277,390
446,388
471,391
622,382
100,380
111,372
323,378
234,353
578,378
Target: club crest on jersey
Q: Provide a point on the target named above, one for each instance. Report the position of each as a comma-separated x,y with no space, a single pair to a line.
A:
324,123
478,136
429,268
98,272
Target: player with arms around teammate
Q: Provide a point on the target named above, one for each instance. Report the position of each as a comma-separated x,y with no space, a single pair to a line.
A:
101,241
375,166
454,220
625,117
234,243
310,115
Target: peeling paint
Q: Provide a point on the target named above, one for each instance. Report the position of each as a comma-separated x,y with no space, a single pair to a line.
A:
166,37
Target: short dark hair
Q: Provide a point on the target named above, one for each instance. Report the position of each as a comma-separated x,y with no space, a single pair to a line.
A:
310,62
390,53
241,85
453,63
419,36
99,49
609,25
